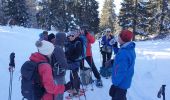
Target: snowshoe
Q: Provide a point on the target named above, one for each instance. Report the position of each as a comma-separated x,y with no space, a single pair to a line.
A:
74,94
99,83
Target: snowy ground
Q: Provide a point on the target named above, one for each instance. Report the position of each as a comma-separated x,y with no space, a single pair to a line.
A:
151,68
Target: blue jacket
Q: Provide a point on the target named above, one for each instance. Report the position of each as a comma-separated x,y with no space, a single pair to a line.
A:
106,41
123,67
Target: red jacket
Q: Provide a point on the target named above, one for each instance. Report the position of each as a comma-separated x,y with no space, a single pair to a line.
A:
90,40
46,76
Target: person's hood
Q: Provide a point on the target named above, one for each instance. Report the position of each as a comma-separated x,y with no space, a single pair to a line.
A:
37,57
60,39
128,45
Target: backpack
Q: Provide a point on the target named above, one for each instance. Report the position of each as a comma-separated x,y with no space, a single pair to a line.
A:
31,87
85,76
57,70
107,70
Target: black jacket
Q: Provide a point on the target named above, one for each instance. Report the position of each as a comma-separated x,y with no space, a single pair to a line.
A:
73,50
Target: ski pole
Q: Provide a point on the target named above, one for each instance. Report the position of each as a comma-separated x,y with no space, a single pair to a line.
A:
11,69
100,51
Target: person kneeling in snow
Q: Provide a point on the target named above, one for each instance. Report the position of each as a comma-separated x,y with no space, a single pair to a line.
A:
123,67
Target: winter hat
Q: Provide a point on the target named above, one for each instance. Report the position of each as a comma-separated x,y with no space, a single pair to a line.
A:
126,35
51,36
108,30
44,47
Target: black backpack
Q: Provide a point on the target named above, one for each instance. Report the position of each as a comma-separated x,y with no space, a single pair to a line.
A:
31,87
57,69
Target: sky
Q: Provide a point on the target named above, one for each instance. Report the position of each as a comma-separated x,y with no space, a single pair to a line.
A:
117,4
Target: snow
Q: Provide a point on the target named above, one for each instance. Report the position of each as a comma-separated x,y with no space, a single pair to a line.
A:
151,68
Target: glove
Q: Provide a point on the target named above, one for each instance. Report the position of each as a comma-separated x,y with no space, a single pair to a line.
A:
67,86
12,56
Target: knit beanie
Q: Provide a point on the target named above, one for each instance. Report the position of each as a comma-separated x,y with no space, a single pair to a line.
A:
44,47
51,36
126,35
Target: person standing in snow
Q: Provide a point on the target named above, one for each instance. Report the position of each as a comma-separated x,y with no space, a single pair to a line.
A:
90,39
123,66
73,53
45,50
51,38
59,59
106,49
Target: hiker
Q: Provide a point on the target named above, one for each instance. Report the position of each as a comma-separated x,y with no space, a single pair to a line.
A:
90,39
123,66
43,36
51,38
59,61
73,53
106,49
45,50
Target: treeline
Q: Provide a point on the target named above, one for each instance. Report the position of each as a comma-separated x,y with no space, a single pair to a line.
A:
59,14
151,17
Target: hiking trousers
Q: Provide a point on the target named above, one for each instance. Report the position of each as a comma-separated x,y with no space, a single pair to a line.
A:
90,62
117,93
106,56
59,80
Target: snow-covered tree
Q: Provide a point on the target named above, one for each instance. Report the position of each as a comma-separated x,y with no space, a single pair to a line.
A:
108,16
17,11
146,11
43,16
126,15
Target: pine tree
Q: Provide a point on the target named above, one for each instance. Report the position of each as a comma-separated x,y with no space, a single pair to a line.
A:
164,24
108,16
43,16
17,10
146,11
58,14
32,4
126,14
88,14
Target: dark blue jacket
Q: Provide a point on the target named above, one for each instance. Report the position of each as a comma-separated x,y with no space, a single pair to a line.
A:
123,67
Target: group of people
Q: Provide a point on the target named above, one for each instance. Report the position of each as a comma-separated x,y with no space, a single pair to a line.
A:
66,51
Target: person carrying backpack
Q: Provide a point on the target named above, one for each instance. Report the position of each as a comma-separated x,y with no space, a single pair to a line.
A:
37,79
73,53
59,61
123,66
90,40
